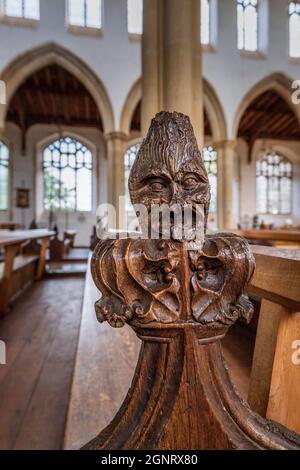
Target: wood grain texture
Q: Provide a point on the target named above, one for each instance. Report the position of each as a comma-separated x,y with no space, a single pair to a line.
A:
277,277
182,398
263,360
274,384
283,403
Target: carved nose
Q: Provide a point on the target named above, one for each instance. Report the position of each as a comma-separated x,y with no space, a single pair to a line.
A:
175,196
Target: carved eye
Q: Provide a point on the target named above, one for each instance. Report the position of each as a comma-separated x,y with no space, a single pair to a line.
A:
190,182
157,186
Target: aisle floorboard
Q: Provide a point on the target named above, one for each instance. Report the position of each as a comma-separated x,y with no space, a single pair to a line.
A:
41,334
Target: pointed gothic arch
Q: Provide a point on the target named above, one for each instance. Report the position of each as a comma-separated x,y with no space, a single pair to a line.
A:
33,60
277,82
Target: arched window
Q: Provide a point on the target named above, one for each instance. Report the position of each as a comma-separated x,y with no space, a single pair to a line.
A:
28,9
85,13
247,24
129,158
205,22
211,164
67,167
4,176
294,29
274,175
135,16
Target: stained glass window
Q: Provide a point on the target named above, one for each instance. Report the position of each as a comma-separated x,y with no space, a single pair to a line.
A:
210,158
22,9
274,176
294,29
205,22
67,166
129,158
135,16
247,24
4,176
85,13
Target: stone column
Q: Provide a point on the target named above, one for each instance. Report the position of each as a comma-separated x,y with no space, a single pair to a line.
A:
116,147
171,61
226,177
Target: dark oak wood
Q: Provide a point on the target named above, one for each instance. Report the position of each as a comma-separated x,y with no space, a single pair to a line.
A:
180,297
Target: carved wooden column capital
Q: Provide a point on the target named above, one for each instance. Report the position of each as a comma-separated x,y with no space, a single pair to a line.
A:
180,302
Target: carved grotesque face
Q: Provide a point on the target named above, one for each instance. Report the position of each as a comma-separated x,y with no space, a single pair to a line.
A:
169,169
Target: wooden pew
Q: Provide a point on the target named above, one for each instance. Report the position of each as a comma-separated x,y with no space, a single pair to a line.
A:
10,226
271,237
59,249
12,243
70,235
275,380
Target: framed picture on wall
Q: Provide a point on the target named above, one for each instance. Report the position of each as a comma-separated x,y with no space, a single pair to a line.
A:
23,200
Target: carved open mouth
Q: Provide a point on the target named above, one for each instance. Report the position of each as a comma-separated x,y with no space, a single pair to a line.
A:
179,224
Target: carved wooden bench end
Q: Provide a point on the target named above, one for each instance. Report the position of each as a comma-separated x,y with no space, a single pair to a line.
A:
180,296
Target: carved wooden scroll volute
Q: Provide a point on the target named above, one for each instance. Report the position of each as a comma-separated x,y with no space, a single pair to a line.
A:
180,296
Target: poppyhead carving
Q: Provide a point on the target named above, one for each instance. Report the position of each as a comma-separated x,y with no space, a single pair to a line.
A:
167,280
169,171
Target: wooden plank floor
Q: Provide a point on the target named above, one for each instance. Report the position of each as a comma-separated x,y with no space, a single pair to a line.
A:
41,334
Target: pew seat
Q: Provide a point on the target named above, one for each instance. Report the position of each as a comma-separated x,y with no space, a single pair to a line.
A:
24,269
60,249
24,259
276,238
